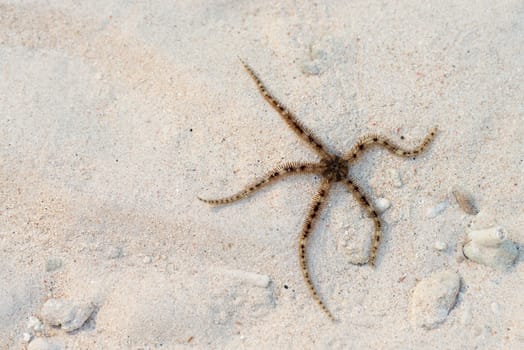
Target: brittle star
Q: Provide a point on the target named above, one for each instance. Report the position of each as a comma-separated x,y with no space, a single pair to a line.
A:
331,168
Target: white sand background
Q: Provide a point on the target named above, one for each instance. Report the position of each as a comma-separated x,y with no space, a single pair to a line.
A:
115,115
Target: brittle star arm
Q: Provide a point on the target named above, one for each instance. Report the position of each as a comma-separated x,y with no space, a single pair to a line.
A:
382,141
273,175
372,212
312,216
299,129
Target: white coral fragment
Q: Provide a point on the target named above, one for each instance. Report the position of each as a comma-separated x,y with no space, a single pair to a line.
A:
491,247
66,314
433,298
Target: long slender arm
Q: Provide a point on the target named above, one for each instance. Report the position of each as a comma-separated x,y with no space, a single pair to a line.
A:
381,141
275,174
304,133
312,216
372,212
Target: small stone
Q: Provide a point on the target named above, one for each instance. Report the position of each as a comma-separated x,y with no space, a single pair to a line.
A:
63,313
491,247
53,263
433,298
26,337
395,177
382,204
437,209
147,259
440,246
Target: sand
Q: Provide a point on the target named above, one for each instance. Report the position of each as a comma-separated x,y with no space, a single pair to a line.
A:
115,116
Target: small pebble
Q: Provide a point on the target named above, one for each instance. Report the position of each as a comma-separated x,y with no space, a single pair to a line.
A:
26,337
437,209
395,177
382,204
433,298
63,313
53,263
147,259
440,246
491,247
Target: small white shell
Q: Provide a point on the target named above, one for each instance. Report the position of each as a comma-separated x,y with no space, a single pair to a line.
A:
382,204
